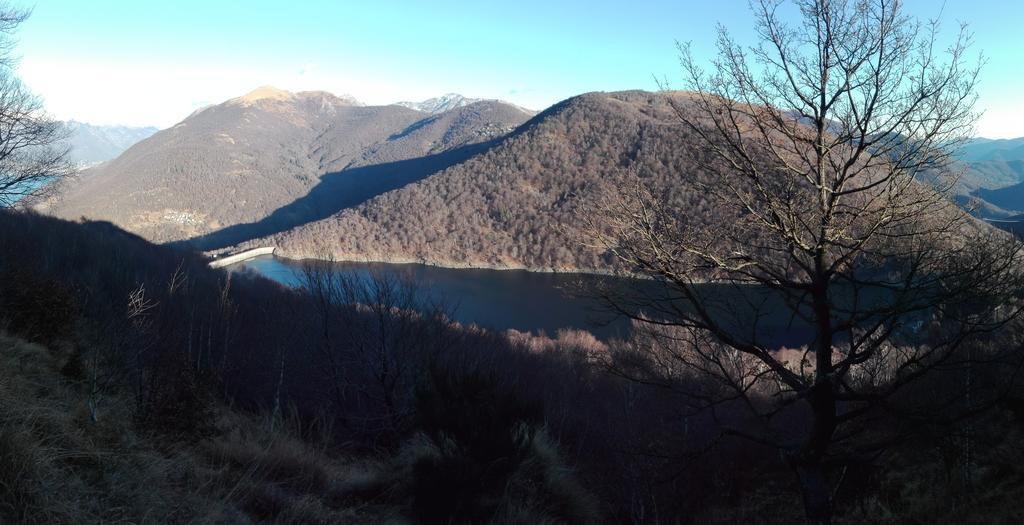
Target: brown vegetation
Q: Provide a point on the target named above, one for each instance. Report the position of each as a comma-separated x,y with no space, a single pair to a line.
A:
157,345
238,162
519,204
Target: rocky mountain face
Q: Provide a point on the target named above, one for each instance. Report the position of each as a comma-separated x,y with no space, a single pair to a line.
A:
440,104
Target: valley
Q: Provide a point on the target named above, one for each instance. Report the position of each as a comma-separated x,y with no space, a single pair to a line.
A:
784,285
471,183
474,186
477,201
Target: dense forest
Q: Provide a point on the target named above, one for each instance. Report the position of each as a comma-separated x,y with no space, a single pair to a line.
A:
523,202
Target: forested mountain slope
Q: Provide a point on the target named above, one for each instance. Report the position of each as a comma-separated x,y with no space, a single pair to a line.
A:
238,162
521,203
524,202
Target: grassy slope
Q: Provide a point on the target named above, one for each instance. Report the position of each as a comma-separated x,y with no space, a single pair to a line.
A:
58,467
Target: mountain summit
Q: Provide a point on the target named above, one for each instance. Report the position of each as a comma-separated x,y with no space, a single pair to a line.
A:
271,93
440,104
265,92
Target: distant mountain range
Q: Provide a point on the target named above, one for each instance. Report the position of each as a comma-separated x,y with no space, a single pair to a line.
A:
272,159
91,144
440,104
993,181
982,149
449,102
482,183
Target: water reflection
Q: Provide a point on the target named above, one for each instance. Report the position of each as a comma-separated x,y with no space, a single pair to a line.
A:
496,299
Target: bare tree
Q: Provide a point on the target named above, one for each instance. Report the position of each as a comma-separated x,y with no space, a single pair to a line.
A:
377,331
819,139
32,155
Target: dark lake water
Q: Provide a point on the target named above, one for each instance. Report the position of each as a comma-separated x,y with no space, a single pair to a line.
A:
544,302
497,299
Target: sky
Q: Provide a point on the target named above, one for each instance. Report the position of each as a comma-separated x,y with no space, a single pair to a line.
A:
142,63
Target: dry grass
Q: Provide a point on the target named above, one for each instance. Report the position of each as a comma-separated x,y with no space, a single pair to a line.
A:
935,485
58,467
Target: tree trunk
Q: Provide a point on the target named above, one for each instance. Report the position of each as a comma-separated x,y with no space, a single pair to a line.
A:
809,461
815,492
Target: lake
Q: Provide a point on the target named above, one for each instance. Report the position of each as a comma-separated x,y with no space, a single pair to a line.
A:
544,303
497,299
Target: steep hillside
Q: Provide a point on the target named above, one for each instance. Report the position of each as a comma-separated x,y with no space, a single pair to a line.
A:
519,204
992,174
141,386
523,203
1010,197
240,161
91,144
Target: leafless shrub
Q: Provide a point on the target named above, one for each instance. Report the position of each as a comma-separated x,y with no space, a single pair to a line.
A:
376,331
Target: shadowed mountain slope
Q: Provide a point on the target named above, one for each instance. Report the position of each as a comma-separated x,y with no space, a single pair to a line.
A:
336,191
1008,197
992,170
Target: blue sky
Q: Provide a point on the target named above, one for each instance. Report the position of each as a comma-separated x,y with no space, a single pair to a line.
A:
152,63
